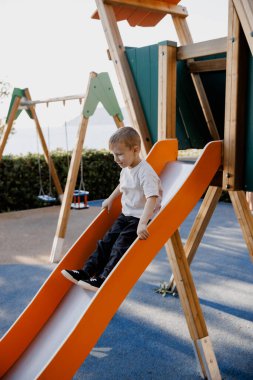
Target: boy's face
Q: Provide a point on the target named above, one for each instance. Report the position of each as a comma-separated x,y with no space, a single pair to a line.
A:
125,156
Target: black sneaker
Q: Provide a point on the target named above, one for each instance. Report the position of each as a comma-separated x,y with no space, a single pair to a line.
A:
75,275
92,284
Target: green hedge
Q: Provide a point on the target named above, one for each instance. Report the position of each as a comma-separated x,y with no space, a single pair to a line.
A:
20,182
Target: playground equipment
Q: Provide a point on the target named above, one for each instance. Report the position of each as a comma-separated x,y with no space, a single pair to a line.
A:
21,99
99,89
57,341
201,58
213,171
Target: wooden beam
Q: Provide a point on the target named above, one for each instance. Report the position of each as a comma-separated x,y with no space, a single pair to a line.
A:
167,70
244,9
202,49
57,248
150,5
126,81
199,227
218,64
45,148
235,104
185,38
190,303
25,102
244,217
8,126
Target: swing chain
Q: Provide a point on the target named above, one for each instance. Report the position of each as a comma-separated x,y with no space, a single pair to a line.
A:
41,191
81,185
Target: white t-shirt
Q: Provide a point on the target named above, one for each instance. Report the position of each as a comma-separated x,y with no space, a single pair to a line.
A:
136,185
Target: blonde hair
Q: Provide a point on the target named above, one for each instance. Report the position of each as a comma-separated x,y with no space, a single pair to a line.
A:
127,135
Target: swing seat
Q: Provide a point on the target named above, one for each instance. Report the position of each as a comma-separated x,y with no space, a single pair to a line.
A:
80,200
46,198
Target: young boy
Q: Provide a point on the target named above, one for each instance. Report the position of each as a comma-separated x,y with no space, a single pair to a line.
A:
141,196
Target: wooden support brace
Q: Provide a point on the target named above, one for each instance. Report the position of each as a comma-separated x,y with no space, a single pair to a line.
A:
205,351
235,104
119,123
189,301
244,217
167,70
185,39
126,81
150,5
202,49
8,126
244,9
218,64
99,89
57,248
199,226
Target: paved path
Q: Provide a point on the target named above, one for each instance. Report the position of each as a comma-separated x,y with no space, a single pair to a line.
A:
147,338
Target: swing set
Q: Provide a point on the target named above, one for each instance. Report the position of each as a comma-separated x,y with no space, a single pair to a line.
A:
80,195
99,89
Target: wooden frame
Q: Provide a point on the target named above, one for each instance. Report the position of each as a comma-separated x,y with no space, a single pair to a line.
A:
191,306
185,38
7,130
202,49
234,134
150,5
218,64
167,71
117,53
99,87
244,9
166,129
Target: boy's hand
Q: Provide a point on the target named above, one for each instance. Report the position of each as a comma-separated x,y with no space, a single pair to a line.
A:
142,231
107,203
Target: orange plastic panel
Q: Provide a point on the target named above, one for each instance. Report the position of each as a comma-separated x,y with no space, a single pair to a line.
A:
136,16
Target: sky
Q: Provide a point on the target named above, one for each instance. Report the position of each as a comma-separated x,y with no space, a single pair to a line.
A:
51,46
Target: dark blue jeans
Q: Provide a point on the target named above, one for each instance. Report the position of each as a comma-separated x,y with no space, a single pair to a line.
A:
112,247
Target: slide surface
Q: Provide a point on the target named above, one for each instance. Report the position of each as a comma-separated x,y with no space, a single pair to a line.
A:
58,329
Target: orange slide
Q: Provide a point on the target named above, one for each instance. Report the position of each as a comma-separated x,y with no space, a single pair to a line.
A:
58,329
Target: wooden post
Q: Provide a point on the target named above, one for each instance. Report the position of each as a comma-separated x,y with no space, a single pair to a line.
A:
167,71
45,148
119,123
244,10
191,306
126,81
8,126
185,38
199,227
244,217
68,193
235,104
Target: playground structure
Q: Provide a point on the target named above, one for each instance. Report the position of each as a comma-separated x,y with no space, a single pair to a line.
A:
99,89
213,171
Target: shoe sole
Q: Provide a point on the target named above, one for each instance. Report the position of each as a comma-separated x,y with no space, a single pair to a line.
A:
87,286
68,276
